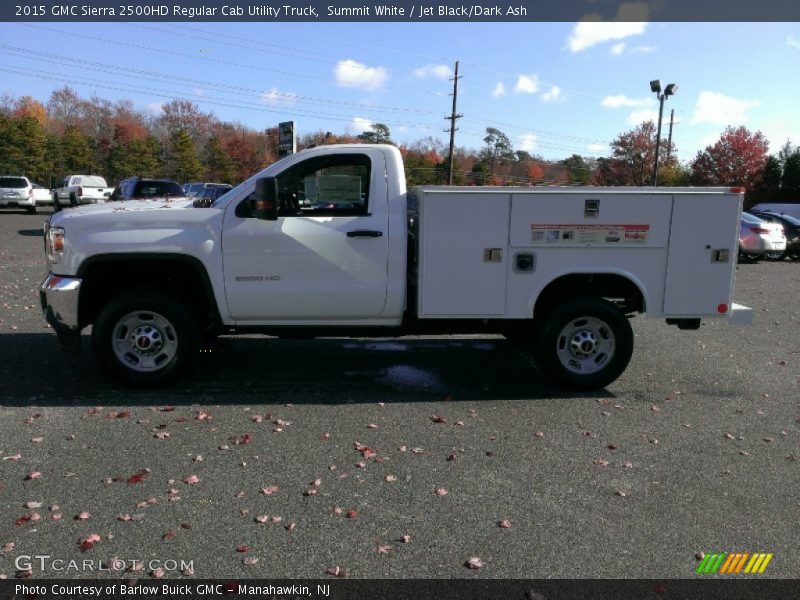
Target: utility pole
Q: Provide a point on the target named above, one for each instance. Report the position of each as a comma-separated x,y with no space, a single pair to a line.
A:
452,118
669,139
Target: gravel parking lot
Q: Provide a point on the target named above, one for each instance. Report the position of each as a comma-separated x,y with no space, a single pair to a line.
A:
402,458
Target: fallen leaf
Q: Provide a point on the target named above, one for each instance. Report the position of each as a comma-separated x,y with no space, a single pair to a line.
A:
14,457
406,539
372,426
250,560
243,548
291,526
33,504
262,519
257,418
351,514
474,563
730,436
157,573
335,571
438,419
33,475
269,490
82,516
620,493
384,549
191,480
441,492
391,478
161,435
601,462
168,536
37,440
539,434
504,524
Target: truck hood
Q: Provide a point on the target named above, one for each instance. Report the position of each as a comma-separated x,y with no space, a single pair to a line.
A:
120,208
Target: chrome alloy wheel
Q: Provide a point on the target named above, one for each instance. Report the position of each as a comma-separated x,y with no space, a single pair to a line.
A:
585,345
144,341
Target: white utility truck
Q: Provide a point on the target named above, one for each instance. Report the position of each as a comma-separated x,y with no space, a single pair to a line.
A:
328,242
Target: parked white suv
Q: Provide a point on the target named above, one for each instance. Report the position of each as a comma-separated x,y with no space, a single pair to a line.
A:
16,191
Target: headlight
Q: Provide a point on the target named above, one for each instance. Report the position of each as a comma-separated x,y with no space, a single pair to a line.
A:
54,244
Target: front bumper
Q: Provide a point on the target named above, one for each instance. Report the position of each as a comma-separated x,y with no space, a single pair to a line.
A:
59,299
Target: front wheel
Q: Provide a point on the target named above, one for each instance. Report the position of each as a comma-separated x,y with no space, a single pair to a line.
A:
585,343
56,205
145,338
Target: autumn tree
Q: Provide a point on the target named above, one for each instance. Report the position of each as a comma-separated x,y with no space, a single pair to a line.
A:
23,148
217,162
633,157
790,180
768,187
75,152
578,169
736,159
182,163
378,135
498,148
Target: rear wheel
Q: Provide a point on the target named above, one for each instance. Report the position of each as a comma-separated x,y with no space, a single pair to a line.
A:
145,338
32,210
73,200
56,205
584,343
776,255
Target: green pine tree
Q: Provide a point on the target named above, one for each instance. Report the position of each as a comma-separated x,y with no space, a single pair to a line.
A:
183,164
218,164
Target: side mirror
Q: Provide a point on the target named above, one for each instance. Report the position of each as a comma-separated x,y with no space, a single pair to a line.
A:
266,199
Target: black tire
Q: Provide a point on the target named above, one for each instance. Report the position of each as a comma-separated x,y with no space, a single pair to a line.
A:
32,210
56,205
584,334
778,256
145,338
73,200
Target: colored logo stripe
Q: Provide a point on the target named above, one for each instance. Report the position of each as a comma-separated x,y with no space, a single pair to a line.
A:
733,563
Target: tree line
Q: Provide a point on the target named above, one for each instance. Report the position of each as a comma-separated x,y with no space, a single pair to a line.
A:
68,134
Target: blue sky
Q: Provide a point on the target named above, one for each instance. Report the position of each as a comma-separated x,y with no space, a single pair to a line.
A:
554,88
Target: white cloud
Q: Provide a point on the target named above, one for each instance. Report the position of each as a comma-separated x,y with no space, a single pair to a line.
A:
597,147
499,90
638,117
617,49
622,100
275,97
527,84
793,42
359,125
350,73
719,109
437,71
553,95
155,107
590,33
643,49
527,142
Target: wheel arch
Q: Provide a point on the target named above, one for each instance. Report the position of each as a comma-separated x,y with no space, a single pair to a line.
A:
105,276
625,289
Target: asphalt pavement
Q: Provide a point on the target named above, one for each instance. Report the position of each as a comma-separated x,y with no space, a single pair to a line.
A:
400,458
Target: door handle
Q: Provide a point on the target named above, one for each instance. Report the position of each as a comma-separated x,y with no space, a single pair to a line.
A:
364,233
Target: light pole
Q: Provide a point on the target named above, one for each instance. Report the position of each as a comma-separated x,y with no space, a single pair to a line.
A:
655,87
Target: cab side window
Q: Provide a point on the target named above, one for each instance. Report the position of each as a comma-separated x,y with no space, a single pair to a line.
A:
335,185
326,185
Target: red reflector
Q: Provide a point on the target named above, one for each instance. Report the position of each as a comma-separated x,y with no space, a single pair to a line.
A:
722,309
738,190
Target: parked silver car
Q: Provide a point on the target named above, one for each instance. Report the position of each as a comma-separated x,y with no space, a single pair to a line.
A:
757,237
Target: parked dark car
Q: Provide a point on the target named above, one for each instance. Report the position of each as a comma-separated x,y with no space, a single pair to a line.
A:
791,226
139,188
210,191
